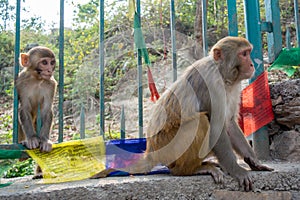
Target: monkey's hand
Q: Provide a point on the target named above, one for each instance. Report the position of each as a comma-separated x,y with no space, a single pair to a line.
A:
256,166
244,179
32,142
45,146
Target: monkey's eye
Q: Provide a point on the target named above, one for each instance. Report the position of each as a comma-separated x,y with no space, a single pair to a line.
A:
245,53
44,62
39,70
53,62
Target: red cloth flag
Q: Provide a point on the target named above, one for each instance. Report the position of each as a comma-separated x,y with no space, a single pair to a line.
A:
152,87
256,106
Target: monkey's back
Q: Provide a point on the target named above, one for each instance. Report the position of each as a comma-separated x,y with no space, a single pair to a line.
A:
178,104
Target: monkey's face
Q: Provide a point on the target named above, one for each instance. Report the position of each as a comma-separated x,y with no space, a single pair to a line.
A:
45,67
246,67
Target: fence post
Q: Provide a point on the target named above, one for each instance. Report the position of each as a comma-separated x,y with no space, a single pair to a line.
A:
82,122
232,18
274,37
61,73
253,34
122,119
297,21
288,38
101,55
38,121
140,77
173,37
204,27
16,72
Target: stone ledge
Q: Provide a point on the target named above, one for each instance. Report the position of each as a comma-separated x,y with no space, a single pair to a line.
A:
283,183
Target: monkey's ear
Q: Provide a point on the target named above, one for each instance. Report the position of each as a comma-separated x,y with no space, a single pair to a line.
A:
24,60
217,54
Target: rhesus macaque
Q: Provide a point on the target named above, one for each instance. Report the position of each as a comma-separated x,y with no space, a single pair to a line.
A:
36,87
197,117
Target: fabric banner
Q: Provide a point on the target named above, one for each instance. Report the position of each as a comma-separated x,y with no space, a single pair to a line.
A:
124,152
72,160
256,106
287,61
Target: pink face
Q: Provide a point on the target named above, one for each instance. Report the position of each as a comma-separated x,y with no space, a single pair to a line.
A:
246,65
46,67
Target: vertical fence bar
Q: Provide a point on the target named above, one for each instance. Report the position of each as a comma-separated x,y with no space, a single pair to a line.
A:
253,33
101,54
140,77
38,121
16,72
122,127
288,38
274,37
61,73
204,27
173,37
82,122
232,18
297,21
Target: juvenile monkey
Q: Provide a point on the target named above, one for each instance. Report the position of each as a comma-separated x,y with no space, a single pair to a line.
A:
36,87
197,117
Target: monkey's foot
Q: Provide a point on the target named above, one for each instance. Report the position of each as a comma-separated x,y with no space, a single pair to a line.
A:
256,166
45,146
38,176
31,143
213,170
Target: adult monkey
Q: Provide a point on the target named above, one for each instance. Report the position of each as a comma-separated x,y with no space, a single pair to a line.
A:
198,115
36,87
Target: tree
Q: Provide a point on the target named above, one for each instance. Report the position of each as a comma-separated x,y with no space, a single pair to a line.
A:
6,14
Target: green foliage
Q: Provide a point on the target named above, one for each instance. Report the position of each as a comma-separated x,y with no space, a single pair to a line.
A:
33,24
20,169
6,11
6,49
156,13
112,135
5,165
6,60
6,127
89,133
87,14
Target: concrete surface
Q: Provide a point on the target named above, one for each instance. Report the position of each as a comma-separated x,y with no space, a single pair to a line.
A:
283,183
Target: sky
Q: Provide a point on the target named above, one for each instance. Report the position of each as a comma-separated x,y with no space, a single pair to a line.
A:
48,10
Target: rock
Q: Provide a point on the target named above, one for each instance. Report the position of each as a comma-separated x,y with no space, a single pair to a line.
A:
283,183
270,195
288,114
286,146
284,129
273,128
286,103
287,90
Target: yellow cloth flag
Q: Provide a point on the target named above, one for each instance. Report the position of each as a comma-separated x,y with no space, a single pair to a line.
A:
72,160
131,8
